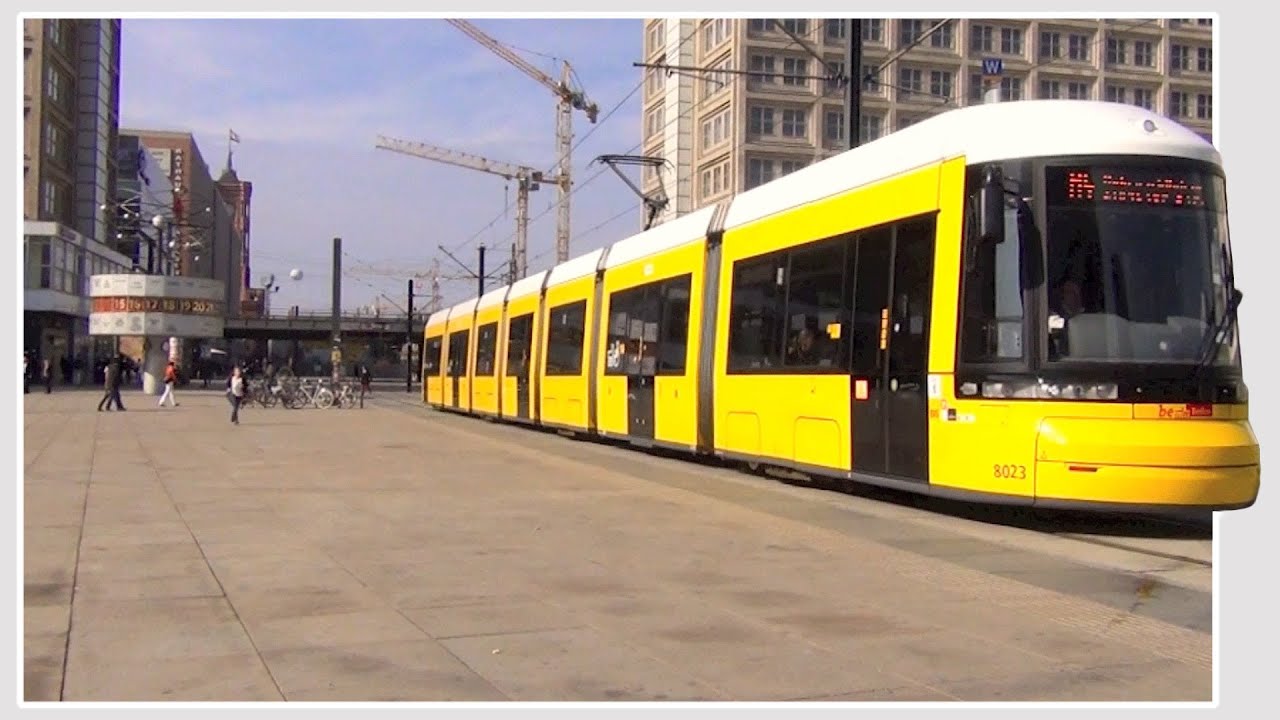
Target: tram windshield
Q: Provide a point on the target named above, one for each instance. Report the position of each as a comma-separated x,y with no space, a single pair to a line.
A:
1137,265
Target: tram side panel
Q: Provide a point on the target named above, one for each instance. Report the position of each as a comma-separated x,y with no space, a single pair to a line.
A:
484,382
783,388
520,376
432,366
564,368
648,351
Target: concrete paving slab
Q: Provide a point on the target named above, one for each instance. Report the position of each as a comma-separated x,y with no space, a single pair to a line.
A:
42,664
415,670
492,617
267,601
330,629
196,584
212,678
575,665
1128,682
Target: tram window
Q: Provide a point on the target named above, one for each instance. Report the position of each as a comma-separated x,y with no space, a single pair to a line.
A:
674,326
458,352
993,307
622,348
756,318
486,349
431,356
815,297
871,291
519,340
564,338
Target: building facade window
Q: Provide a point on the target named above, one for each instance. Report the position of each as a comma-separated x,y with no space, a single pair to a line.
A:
760,120
1011,41
1117,51
715,33
1079,47
940,84
873,31
717,80
1079,91
794,72
795,123
1204,59
1050,45
763,69
1144,53
981,39
872,127
759,172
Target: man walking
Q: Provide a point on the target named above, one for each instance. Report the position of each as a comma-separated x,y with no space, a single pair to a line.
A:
111,385
235,393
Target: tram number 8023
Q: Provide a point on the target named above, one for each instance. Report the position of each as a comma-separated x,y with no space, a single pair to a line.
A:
1010,472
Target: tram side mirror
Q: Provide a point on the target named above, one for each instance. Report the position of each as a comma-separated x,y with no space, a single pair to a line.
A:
991,207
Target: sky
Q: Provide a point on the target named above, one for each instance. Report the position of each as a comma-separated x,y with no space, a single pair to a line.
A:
308,98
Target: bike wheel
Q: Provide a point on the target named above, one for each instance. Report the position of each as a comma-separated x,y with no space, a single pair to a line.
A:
324,399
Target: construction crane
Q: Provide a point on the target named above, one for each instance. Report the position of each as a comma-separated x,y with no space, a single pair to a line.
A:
527,179
569,100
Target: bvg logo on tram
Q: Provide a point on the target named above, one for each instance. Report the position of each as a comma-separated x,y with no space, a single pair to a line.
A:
1189,410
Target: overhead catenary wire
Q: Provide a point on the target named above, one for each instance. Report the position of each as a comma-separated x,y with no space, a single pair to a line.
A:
693,107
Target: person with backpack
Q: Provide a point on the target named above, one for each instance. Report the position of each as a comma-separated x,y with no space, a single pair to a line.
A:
170,381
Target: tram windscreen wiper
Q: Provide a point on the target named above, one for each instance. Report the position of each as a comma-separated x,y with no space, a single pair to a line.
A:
1214,340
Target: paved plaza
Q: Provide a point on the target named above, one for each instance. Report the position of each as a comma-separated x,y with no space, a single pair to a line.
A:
397,553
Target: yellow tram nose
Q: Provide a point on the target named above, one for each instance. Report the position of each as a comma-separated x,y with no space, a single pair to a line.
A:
1211,463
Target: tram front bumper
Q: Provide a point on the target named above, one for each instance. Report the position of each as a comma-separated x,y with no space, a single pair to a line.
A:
1159,463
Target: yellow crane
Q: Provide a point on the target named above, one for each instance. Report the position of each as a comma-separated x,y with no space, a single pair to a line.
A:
569,99
527,179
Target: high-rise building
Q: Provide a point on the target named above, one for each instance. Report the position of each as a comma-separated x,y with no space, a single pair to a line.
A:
71,101
205,237
725,132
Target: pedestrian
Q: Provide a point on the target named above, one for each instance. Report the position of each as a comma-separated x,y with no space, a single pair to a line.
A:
26,373
235,393
113,376
46,374
170,382
365,380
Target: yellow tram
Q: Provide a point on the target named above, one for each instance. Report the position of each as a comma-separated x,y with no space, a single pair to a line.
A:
1026,302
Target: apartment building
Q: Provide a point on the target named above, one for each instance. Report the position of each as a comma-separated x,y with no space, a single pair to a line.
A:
725,132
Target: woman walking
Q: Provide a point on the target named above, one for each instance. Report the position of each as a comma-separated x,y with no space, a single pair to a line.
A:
170,381
235,391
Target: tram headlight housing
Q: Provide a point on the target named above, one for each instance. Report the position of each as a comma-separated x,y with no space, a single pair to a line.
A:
1035,389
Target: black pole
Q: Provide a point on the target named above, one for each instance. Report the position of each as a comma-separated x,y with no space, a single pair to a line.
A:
480,275
408,343
853,88
336,354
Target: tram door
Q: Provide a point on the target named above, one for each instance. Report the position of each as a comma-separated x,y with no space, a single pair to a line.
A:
457,364
893,267
519,348
643,306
